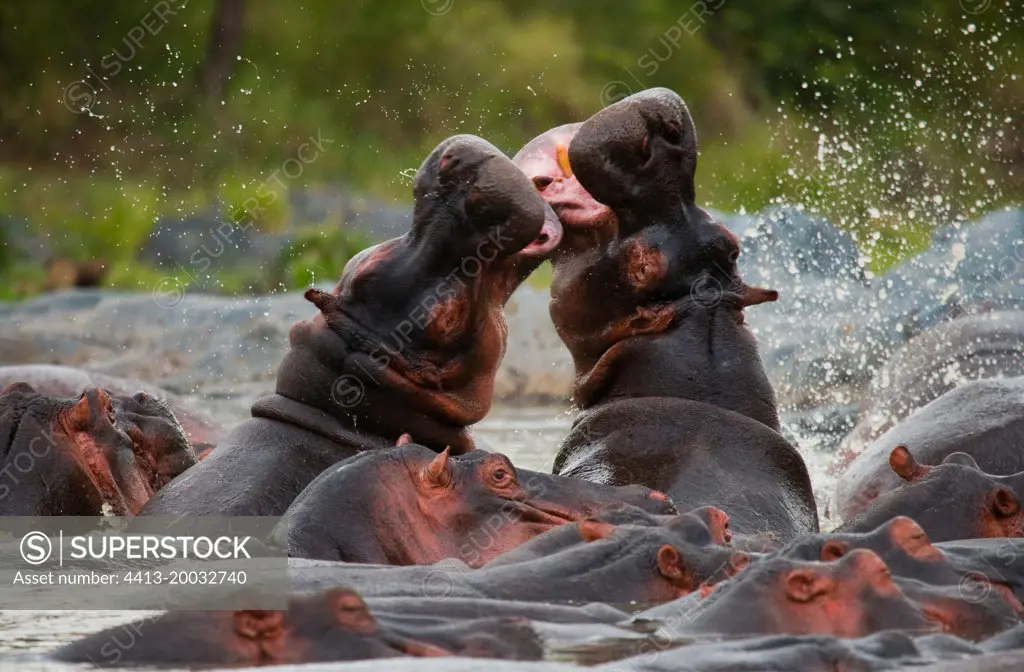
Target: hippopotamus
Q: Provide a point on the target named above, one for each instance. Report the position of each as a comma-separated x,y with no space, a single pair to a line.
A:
85,456
853,596
974,609
202,431
334,625
409,341
984,419
968,348
647,298
901,543
703,527
411,506
619,564
953,500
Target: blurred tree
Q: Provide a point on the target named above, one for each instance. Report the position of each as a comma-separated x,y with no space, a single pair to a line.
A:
223,47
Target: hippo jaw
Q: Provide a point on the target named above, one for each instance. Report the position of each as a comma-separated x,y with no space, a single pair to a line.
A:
545,160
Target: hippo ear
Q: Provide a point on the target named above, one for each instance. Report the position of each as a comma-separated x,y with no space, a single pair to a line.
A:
258,624
962,459
1004,502
833,550
671,567
325,302
905,466
803,585
351,613
80,417
439,472
753,296
594,530
403,440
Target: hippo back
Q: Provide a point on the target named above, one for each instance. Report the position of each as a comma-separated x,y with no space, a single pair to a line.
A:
984,419
699,455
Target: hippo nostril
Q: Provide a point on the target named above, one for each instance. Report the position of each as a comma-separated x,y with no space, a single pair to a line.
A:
542,239
541,182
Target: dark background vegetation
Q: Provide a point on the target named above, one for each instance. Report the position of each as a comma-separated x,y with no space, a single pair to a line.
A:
886,117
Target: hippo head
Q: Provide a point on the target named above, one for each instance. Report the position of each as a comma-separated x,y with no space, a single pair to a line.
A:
416,323
639,157
850,597
331,626
953,500
82,456
545,160
683,553
901,543
411,506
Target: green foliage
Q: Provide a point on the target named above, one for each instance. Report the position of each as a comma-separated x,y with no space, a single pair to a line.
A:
811,102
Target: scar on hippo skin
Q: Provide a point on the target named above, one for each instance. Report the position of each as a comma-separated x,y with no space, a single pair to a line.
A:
952,500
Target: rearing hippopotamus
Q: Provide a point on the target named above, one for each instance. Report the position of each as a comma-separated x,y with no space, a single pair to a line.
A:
648,300
408,342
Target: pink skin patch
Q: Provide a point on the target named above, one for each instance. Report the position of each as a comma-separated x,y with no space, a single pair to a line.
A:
553,178
548,239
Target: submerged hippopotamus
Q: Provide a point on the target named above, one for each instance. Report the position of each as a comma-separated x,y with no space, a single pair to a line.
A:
984,419
647,298
955,352
617,564
88,456
202,431
968,602
853,596
335,625
703,527
409,340
411,506
953,500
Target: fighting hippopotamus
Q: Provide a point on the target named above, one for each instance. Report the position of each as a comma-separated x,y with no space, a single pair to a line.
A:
202,431
409,340
955,352
85,456
411,506
952,500
984,419
647,298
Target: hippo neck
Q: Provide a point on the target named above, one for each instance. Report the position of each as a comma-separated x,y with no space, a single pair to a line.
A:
346,403
707,355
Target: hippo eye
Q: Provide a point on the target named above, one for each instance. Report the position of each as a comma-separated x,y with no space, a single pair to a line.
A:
542,182
502,476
